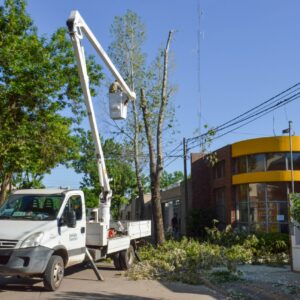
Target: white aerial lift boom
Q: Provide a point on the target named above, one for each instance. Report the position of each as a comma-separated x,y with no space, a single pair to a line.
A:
78,29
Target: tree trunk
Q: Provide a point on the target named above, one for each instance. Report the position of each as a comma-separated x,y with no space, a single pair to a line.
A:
163,104
159,154
156,163
6,180
159,234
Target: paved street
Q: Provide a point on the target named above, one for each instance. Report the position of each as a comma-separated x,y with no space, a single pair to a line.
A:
80,283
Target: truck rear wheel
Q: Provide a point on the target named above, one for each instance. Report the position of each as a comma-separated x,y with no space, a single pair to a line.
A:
54,273
116,259
127,258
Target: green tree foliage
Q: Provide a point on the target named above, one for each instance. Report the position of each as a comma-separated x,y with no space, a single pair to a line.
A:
170,178
38,81
198,220
128,37
119,169
27,180
192,261
126,50
166,180
128,33
295,209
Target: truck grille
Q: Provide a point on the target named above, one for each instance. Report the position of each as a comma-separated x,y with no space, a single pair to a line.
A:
8,244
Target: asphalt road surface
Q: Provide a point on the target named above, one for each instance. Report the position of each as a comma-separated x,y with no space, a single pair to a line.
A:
80,283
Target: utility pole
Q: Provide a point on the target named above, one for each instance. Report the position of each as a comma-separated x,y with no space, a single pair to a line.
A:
293,188
291,154
289,131
291,225
186,193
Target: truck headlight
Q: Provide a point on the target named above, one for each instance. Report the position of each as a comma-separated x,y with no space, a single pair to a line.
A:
33,240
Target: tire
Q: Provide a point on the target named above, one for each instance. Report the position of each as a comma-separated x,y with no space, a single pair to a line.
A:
116,260
127,258
54,273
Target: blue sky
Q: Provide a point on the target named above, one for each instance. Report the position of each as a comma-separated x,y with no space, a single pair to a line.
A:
249,51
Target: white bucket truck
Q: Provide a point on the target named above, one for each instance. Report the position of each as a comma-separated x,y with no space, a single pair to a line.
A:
43,231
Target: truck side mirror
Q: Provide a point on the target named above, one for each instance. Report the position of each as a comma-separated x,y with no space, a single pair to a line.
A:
71,219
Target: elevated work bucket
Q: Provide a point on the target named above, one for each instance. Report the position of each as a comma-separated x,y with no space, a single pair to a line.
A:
118,105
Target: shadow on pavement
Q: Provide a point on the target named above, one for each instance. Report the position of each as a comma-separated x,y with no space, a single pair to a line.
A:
75,269
179,287
20,284
24,284
94,296
87,266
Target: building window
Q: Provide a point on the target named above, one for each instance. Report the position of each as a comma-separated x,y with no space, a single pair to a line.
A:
277,191
257,203
241,164
220,206
266,162
262,207
242,205
256,163
276,161
243,212
277,207
296,161
242,193
219,169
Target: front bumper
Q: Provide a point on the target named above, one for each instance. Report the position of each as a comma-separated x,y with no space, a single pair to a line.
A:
27,261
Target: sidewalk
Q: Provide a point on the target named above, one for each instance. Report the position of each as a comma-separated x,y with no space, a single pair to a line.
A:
258,282
265,283
81,284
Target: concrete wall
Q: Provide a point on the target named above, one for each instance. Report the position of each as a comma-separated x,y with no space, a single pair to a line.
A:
131,211
175,196
172,199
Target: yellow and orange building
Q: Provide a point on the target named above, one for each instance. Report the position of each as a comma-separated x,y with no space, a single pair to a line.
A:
249,185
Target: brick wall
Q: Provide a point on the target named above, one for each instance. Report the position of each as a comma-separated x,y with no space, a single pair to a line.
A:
204,183
200,175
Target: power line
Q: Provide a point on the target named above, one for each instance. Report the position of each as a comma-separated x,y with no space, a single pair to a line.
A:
265,102
263,111
252,120
170,162
241,120
172,151
260,109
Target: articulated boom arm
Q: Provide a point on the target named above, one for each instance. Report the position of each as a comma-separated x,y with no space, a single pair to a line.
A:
77,29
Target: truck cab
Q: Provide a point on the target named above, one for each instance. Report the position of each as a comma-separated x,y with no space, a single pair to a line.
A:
42,232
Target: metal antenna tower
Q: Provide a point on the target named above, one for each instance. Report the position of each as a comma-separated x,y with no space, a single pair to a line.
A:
199,34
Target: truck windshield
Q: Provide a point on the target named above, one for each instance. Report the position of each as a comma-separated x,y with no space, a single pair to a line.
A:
31,207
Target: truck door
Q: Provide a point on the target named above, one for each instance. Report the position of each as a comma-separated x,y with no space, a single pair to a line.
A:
73,239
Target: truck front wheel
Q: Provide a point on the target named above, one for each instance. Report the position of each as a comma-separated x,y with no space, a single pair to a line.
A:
54,273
